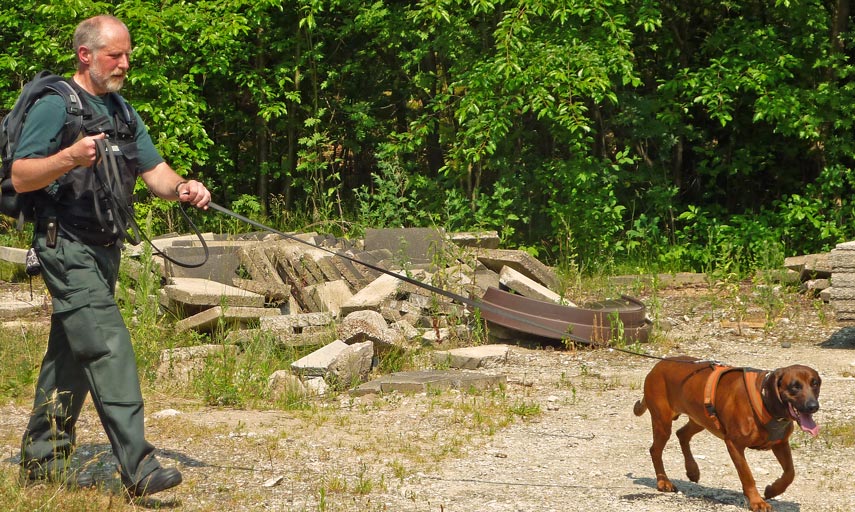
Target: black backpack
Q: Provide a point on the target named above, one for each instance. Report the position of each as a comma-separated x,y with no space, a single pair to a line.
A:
13,204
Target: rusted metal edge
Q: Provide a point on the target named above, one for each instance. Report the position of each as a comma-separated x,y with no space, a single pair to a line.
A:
630,311
550,320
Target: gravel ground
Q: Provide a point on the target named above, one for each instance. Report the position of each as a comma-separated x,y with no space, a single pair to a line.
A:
584,451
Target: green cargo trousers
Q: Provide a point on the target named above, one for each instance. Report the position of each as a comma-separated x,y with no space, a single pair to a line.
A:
89,350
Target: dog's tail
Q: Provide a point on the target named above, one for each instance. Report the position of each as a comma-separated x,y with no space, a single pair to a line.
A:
639,407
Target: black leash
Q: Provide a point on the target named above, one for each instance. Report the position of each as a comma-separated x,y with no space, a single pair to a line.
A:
445,293
119,218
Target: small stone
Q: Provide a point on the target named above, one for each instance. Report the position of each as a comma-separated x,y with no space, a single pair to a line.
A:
273,482
166,413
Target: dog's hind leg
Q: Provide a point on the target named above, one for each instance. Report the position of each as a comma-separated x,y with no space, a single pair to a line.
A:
785,457
685,435
661,433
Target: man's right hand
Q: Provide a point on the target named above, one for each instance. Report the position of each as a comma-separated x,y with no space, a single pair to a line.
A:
30,174
84,152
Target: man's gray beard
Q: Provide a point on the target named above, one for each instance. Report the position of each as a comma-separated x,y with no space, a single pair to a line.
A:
110,84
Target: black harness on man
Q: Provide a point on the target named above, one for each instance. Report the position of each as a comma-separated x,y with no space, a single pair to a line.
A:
93,205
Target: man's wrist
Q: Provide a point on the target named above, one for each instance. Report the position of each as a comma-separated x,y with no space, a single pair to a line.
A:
178,186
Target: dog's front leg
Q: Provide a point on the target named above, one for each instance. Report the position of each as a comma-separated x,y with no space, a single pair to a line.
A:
749,486
785,457
685,435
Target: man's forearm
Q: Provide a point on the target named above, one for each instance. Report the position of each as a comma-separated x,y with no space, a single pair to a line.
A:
30,174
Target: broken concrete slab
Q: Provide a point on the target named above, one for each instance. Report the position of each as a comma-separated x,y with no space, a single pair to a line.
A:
527,287
208,319
162,242
811,266
482,239
283,385
429,380
318,362
282,339
221,266
14,307
522,262
437,335
296,323
273,292
471,358
368,325
330,296
13,255
203,292
350,367
257,263
407,245
370,297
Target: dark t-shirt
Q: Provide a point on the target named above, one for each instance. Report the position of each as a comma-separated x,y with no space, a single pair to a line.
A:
42,131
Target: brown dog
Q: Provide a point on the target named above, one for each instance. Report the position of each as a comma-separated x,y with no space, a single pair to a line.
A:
744,412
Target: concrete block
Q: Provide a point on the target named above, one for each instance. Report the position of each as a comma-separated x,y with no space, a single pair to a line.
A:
471,358
318,362
482,239
810,266
221,266
295,323
273,292
330,296
257,262
844,260
522,262
413,245
370,297
184,363
207,320
423,381
13,255
521,284
203,292
351,366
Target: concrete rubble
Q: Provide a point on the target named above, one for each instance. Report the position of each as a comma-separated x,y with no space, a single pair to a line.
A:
300,295
309,295
841,261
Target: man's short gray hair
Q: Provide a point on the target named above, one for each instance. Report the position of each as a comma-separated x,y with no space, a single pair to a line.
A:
90,33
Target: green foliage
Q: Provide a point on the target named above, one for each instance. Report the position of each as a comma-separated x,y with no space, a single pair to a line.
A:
603,132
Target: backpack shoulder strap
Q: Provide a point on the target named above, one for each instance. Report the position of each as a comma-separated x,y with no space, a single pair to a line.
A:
127,112
76,110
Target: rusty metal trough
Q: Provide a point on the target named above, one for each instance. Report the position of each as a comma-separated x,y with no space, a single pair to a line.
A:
597,323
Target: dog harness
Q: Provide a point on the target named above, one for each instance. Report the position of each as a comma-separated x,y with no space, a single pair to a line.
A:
751,377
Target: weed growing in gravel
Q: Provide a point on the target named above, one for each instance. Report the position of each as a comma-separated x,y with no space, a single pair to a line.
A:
21,350
839,434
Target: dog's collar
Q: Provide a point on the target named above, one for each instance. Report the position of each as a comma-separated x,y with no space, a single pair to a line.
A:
765,396
776,425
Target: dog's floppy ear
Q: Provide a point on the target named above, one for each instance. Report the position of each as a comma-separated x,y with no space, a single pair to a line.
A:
777,378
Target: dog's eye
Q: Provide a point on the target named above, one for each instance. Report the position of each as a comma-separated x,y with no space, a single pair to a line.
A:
796,386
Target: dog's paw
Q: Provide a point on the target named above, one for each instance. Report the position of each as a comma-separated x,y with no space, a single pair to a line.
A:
665,485
693,474
760,506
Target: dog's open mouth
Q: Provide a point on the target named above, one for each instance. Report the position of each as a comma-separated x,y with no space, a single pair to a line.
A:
804,420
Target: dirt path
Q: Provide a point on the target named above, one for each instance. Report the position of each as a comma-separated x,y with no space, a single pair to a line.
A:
584,451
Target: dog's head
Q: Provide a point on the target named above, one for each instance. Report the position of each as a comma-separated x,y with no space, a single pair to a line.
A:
797,388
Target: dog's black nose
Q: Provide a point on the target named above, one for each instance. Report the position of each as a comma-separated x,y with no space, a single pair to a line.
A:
811,406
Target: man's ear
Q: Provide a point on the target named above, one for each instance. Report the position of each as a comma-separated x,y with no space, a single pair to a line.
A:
84,55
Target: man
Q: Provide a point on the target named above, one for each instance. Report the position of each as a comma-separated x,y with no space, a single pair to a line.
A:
89,347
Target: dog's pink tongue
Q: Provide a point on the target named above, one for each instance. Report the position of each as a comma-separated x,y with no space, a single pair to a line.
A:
807,424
